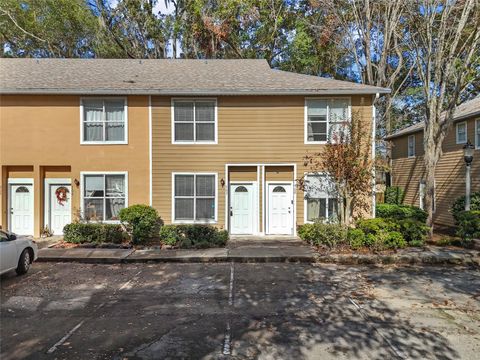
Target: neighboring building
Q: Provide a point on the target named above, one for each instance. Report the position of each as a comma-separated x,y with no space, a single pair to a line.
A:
203,141
408,168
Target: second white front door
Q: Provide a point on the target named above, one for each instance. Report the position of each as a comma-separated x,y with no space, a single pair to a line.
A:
21,209
60,210
280,209
242,209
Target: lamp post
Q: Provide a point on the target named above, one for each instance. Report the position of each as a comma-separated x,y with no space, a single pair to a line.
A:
468,157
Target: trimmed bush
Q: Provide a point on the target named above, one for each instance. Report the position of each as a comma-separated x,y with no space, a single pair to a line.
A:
141,221
400,212
468,225
356,238
414,232
394,195
459,204
193,236
324,234
169,235
79,233
394,240
374,226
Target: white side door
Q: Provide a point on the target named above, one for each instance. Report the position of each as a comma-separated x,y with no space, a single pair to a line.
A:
280,209
241,209
60,212
21,209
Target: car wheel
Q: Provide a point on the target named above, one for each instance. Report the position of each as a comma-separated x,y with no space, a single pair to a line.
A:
23,263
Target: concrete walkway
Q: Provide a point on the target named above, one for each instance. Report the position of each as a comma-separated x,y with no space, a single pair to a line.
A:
262,250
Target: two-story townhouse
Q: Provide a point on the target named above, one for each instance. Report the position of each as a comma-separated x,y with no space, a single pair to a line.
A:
203,141
408,167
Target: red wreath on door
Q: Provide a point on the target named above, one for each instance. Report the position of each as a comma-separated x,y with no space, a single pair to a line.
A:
61,194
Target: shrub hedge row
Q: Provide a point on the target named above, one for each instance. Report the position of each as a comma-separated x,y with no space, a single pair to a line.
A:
79,233
193,236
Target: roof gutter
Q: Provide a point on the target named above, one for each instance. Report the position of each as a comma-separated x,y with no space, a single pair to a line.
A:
217,92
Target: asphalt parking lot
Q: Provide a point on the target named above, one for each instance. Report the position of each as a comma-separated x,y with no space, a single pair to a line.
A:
240,311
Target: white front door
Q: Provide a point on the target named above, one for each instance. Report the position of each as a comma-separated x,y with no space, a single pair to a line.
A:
280,209
21,209
241,209
60,210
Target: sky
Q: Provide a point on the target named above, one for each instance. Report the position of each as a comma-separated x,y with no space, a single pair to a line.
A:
159,7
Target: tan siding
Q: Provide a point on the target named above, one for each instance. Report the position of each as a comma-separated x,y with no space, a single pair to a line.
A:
43,132
247,173
449,175
251,130
279,173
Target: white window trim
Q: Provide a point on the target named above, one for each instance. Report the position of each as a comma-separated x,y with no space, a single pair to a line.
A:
477,137
414,146
215,220
86,142
194,142
305,116
305,216
82,184
466,133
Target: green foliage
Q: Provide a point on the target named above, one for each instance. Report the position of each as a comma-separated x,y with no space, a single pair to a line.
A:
79,233
394,195
400,212
394,240
170,235
374,226
414,232
320,233
459,204
141,221
468,225
356,238
193,236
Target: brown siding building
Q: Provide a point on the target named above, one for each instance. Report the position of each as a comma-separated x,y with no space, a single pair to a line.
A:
408,164
219,141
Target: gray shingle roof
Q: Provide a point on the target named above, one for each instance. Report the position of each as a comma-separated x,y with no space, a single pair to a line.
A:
170,77
467,109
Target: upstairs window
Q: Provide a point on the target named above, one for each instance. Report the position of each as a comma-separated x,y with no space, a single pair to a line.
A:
104,121
194,121
411,146
461,133
325,118
321,199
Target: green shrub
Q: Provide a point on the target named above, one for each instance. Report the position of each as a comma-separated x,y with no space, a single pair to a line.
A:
169,235
141,221
394,195
400,212
468,225
356,238
320,233
459,204
79,233
414,232
373,226
394,240
193,236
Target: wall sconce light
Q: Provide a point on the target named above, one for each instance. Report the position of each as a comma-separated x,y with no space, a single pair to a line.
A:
76,182
222,182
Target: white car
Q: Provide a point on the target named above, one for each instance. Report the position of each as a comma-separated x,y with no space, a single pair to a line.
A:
16,253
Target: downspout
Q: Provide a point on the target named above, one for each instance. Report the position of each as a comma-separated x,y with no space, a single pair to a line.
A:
374,133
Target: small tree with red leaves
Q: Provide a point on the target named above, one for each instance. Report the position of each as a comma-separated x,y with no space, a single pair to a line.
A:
347,158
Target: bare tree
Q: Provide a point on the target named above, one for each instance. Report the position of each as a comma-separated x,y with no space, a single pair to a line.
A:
444,39
374,38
